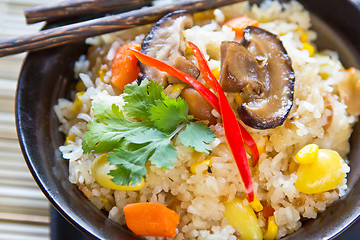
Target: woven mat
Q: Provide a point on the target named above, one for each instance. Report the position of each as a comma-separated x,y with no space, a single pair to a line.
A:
24,210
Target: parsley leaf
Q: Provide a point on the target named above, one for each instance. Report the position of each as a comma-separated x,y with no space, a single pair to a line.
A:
198,136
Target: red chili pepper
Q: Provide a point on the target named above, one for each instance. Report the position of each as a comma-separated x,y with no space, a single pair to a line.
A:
198,86
231,126
211,80
213,100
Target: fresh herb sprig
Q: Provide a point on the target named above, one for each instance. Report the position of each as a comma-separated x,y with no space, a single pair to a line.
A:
143,131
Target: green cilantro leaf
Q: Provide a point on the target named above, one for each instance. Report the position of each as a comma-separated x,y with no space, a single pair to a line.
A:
197,136
139,98
108,129
145,134
169,113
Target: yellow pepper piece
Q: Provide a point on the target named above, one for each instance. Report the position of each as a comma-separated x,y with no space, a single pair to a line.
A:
216,72
76,106
272,229
101,73
69,139
100,168
323,174
177,87
310,48
243,219
197,166
256,205
307,154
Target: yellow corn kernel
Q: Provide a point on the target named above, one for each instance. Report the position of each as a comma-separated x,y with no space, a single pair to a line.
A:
80,86
203,166
243,219
307,154
69,139
76,106
238,99
324,75
100,168
177,87
303,35
308,47
261,148
323,174
216,72
101,73
256,205
272,229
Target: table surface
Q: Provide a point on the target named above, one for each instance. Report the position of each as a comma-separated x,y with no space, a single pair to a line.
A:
24,210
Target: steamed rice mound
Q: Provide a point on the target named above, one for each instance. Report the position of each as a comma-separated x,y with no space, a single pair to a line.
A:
318,116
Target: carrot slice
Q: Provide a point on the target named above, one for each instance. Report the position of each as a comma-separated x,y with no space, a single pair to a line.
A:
240,23
124,68
151,219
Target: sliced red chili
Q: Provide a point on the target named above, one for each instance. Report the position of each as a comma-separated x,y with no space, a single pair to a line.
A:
231,126
211,80
198,86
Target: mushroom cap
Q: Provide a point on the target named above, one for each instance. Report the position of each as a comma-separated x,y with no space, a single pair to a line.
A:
259,68
165,42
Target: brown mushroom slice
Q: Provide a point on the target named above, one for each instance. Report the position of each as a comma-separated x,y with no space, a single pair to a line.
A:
165,42
198,107
259,68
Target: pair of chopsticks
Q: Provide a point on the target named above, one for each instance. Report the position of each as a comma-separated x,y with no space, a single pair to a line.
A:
79,31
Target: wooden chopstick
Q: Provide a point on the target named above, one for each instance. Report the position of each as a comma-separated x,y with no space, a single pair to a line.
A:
79,31
78,8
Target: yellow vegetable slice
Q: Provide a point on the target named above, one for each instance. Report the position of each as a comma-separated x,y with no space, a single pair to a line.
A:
324,174
100,168
243,219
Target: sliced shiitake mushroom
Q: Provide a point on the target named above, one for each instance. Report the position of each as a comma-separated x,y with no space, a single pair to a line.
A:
166,42
259,68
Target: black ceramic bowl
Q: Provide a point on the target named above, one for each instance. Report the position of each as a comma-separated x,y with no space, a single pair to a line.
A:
48,75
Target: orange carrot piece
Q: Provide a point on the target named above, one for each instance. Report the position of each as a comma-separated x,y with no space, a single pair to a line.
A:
151,219
240,23
124,68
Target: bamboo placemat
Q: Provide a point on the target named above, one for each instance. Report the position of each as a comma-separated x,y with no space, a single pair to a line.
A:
24,210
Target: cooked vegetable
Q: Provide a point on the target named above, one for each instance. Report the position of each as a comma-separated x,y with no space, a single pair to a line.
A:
198,106
238,145
132,143
124,69
308,47
260,70
231,126
243,218
151,219
76,106
166,43
307,154
100,169
324,173
204,165
256,205
271,230
240,23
